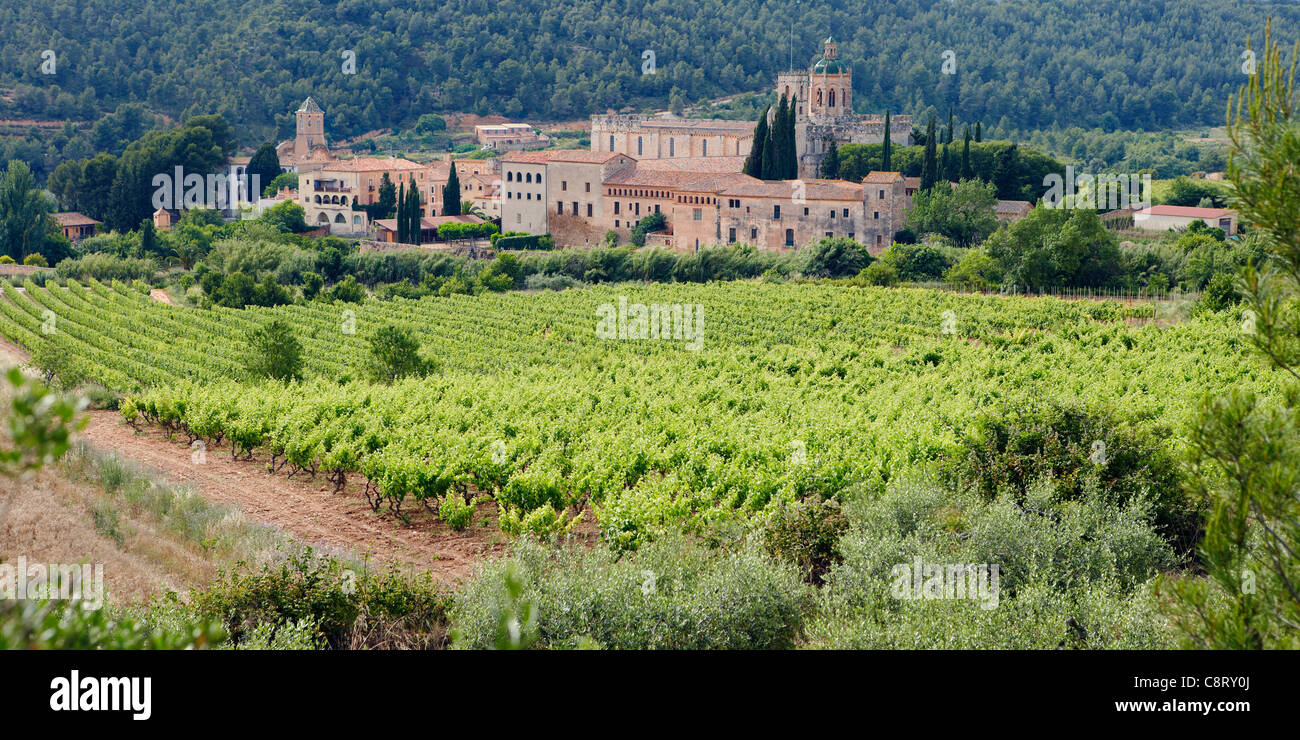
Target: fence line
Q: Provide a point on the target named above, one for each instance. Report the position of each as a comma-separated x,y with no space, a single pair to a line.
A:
1069,293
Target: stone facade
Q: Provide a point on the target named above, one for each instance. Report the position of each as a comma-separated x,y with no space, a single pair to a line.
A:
653,137
823,96
328,195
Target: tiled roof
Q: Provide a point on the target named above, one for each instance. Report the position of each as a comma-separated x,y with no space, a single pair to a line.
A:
72,218
561,155
813,189
430,223
676,180
717,124
374,164
1013,206
1187,211
876,177
729,164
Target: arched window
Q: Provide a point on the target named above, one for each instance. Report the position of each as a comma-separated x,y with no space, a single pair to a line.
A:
789,237
638,146
510,176
819,96
705,144
339,219
611,142
831,99
672,147
528,177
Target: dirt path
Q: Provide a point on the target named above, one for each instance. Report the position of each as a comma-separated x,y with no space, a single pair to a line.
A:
161,296
306,509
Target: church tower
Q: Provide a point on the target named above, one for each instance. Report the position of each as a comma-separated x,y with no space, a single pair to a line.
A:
831,86
311,128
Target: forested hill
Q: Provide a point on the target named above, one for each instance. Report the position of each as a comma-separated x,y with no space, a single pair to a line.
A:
1022,64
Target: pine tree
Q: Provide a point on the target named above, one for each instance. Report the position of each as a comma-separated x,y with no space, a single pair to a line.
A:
965,155
754,162
451,193
929,167
886,152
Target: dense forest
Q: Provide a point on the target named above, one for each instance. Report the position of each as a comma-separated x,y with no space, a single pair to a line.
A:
1105,64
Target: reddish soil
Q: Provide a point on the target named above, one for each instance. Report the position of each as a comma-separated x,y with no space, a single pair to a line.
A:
306,508
161,296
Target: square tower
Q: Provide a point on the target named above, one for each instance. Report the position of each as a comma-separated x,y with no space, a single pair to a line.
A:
311,129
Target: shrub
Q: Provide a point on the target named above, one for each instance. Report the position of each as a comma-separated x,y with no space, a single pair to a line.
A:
331,596
395,354
456,510
879,273
274,352
806,534
35,259
1013,448
834,257
1070,574
668,595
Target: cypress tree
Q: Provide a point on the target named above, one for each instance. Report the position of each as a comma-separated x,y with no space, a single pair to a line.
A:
771,164
401,213
791,150
780,141
947,134
754,162
965,155
929,172
413,212
830,166
451,193
978,133
886,153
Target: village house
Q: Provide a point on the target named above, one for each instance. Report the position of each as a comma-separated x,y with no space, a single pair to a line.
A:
333,196
1164,218
75,226
509,136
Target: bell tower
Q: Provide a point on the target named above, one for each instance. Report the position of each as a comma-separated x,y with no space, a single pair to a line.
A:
831,85
311,128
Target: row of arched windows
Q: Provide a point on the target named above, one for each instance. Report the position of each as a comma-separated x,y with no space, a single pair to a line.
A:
523,177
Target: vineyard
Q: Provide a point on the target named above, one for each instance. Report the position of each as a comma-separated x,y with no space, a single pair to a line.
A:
797,389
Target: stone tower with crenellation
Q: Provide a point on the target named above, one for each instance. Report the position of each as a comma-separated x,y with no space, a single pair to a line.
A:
824,111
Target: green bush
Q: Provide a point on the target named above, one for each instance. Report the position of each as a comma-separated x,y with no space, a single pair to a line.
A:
806,534
330,595
668,595
1015,447
879,273
1071,574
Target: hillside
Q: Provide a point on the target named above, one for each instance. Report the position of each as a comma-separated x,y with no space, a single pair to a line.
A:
1019,64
